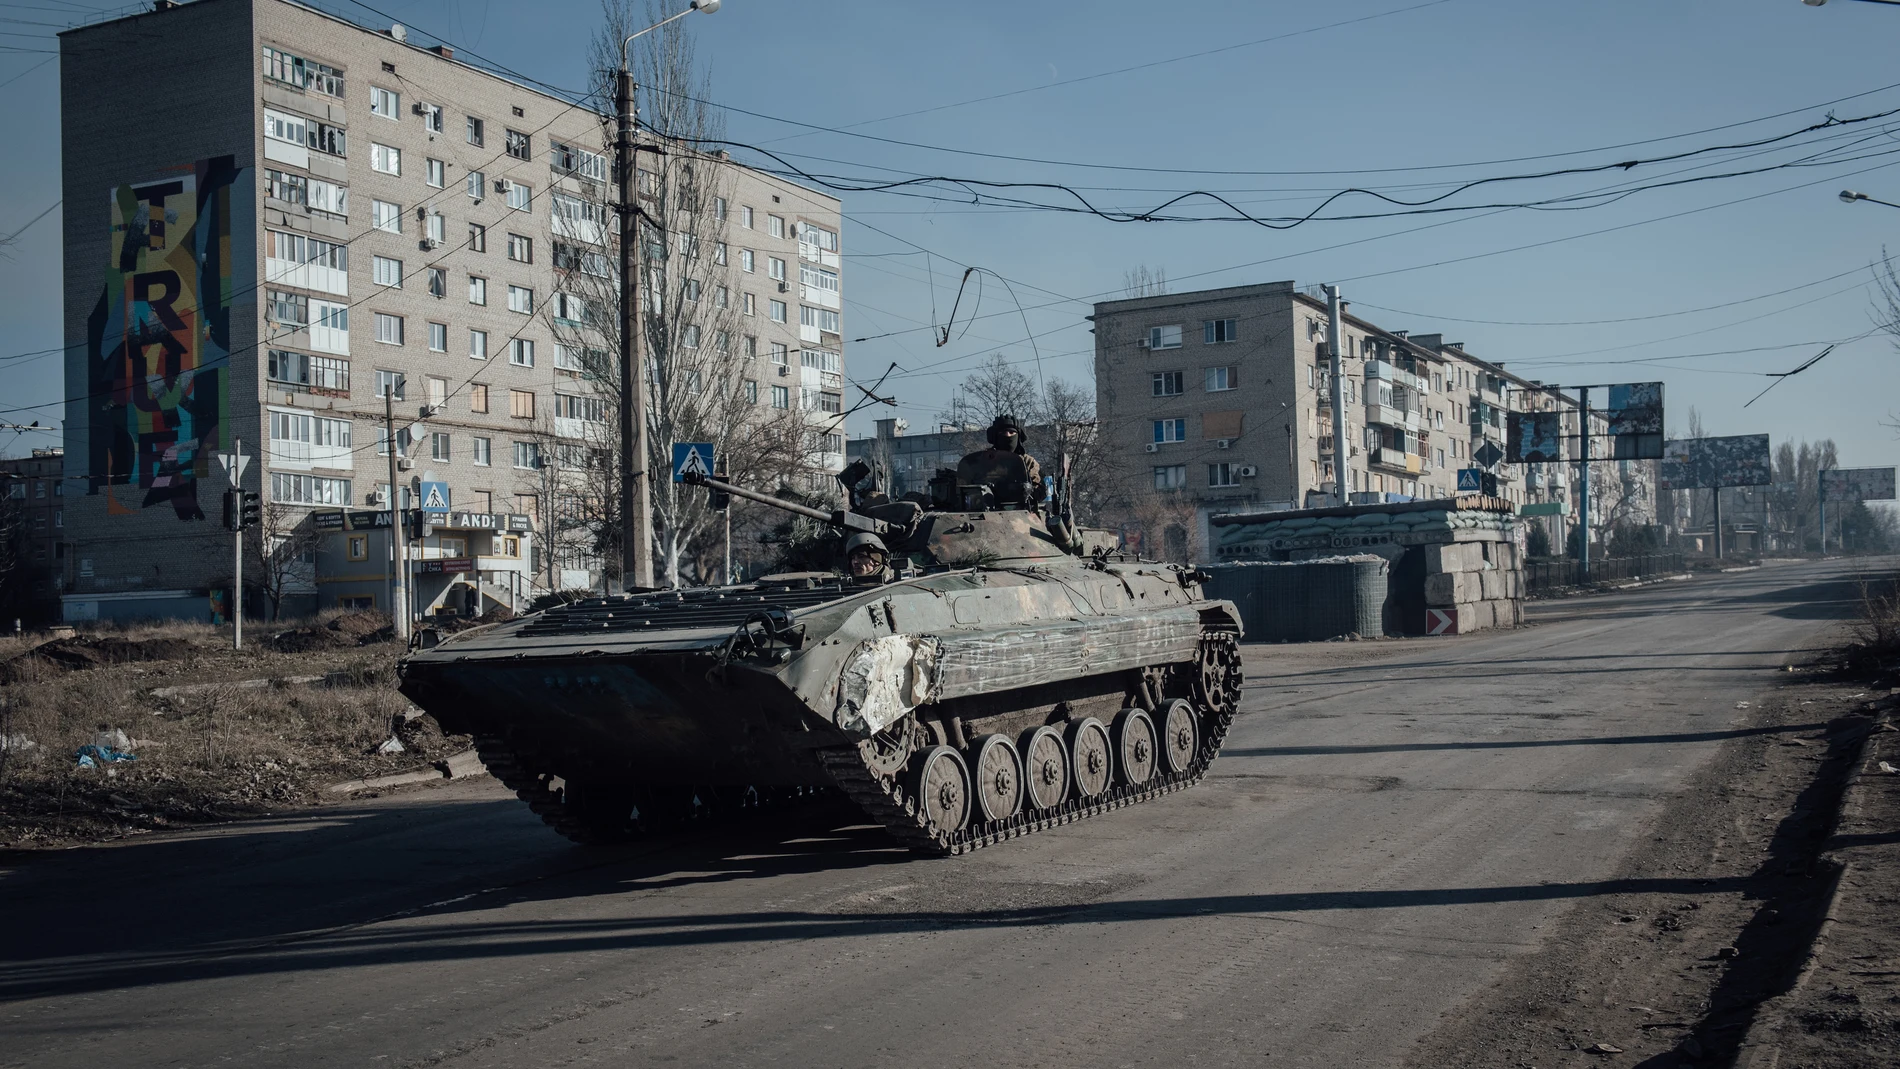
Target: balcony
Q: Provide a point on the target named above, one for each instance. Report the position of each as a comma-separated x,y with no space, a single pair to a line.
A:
1379,369
1398,460
1391,416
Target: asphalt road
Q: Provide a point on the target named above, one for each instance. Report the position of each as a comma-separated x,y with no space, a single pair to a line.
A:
1390,822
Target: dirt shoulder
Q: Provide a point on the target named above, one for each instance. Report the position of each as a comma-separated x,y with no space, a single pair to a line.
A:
1712,915
178,729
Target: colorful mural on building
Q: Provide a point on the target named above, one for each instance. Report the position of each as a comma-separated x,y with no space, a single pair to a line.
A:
159,341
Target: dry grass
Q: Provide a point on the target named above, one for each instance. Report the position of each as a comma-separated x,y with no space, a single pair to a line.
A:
1876,631
213,751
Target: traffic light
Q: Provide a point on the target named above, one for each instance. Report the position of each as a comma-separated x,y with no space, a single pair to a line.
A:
233,510
1488,484
251,510
420,525
719,499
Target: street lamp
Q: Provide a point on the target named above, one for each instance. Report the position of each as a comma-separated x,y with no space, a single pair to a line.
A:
636,518
1848,196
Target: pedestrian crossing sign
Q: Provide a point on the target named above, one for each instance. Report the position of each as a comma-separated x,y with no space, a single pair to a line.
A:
435,497
692,458
1470,480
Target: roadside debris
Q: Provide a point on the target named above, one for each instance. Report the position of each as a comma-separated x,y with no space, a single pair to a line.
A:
91,756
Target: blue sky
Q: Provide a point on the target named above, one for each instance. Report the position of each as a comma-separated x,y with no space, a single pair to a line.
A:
1414,93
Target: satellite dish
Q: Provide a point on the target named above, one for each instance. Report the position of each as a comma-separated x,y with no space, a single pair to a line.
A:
399,32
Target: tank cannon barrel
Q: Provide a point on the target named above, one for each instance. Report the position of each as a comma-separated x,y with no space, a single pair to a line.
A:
844,518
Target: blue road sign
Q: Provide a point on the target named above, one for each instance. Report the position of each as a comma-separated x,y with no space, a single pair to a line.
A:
692,458
435,497
1470,480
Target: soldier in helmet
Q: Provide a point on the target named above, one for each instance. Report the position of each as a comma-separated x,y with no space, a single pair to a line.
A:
866,559
1010,472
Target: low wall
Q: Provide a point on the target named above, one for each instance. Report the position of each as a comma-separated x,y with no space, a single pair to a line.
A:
1305,601
1455,565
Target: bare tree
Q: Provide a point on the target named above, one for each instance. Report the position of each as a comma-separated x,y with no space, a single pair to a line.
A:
998,388
1144,281
696,359
279,552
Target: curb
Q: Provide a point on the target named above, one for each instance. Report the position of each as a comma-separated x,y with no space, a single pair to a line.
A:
1760,1048
464,765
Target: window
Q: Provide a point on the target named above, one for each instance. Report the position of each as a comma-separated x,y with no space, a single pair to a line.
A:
689,336
520,249
281,66
477,238
751,391
828,321
309,429
690,290
722,341
385,158
1218,332
818,278
435,173
280,185
477,290
527,454
438,282
831,402
438,337
439,446
751,346
775,268
521,299
1171,477
572,309
519,145
308,490
1167,383
1223,474
483,452
566,357
436,227
781,397
1166,337
478,397
385,216
1170,430
776,311
521,404
745,216
813,242
719,209
473,184
575,258
567,159
391,384
317,374
326,139
431,117
780,354
519,196
750,305
474,131
775,226
720,253
387,272
478,344
358,547
745,260
289,309
1222,378
385,102
586,409
388,328
521,352
722,297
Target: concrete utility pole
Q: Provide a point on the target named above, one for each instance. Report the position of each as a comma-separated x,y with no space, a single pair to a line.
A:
1342,448
237,551
1583,490
1820,495
636,516
1720,550
399,545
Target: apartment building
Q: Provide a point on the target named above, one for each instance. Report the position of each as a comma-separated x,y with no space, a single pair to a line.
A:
292,220
1220,401
905,463
33,521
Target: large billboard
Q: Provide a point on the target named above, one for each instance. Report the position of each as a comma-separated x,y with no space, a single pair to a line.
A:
159,340
1857,484
1533,437
1701,463
1635,418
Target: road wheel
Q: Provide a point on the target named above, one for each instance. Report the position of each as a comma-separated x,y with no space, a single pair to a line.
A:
1180,736
1091,756
943,789
998,778
1135,746
1045,768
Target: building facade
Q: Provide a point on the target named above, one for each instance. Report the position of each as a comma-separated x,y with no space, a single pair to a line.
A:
33,526
1219,401
301,221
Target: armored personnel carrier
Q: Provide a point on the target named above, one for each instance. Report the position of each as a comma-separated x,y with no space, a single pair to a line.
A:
998,682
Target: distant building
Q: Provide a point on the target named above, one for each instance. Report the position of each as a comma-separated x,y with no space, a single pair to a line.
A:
33,520
905,463
1219,401
294,217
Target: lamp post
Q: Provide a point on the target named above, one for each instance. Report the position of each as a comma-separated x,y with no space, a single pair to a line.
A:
1848,196
636,517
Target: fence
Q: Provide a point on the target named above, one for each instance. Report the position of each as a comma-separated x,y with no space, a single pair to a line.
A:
1546,576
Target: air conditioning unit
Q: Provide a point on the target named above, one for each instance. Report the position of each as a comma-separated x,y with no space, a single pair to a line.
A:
376,497
405,464
501,185
1224,443
430,244
418,108
1141,342
784,369
783,286
1154,447
1248,471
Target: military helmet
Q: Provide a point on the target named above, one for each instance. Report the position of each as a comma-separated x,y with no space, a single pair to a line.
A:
864,540
1005,423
